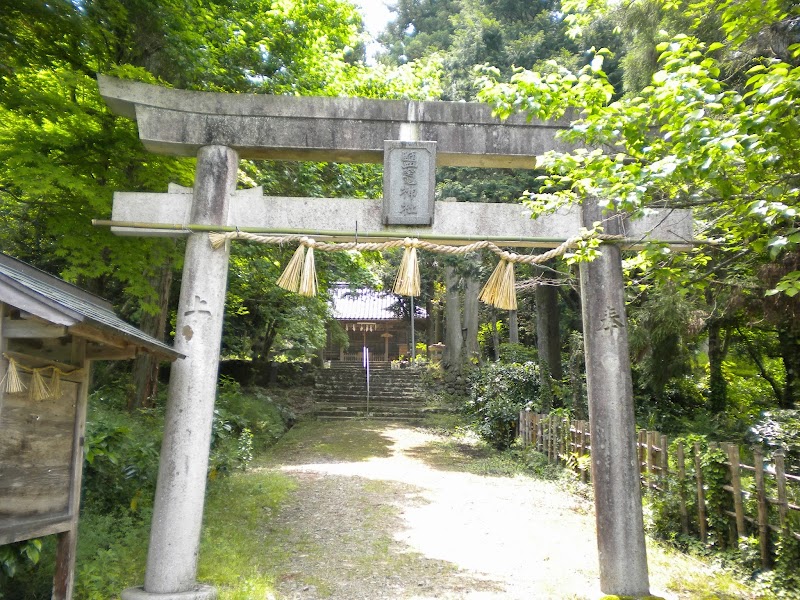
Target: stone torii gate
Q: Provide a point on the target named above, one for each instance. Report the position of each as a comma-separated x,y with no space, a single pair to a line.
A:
221,128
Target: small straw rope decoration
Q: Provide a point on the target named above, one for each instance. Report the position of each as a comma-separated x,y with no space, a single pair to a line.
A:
39,388
500,289
407,282
308,280
13,384
290,278
300,276
506,298
55,382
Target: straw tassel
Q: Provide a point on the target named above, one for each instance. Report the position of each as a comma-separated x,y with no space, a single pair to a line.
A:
39,389
13,384
507,296
217,240
55,383
308,279
290,279
499,290
407,282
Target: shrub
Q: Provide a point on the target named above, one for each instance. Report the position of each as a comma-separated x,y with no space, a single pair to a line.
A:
779,430
497,393
517,353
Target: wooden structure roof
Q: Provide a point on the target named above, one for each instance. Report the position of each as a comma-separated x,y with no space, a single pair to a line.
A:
54,308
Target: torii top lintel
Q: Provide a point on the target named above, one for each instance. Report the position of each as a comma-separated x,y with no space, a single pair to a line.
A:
179,122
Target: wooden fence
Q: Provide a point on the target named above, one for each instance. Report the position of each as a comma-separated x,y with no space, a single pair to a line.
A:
715,493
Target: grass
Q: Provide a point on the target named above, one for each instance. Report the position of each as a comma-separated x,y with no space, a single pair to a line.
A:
323,441
468,454
238,551
689,577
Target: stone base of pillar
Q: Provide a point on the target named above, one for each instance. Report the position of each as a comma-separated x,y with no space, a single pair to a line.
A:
201,592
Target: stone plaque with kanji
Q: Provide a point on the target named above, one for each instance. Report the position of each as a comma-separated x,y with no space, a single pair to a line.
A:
409,170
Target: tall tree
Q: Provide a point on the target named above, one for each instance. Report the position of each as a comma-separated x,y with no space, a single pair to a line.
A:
698,135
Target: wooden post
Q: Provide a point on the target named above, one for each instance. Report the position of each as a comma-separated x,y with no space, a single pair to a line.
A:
641,444
584,426
664,463
761,493
3,361
681,460
528,417
652,436
736,484
67,544
780,480
701,496
539,433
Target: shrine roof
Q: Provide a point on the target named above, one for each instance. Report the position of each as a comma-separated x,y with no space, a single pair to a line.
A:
53,300
365,304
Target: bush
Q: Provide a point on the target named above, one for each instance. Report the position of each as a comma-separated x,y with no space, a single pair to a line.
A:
121,454
497,394
518,353
779,430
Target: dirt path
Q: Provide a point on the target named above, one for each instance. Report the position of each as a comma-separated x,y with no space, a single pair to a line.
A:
374,517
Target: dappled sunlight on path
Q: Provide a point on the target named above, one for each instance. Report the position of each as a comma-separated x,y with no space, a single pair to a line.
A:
534,539
384,512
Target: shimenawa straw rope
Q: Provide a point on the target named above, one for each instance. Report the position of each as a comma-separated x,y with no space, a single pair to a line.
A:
300,276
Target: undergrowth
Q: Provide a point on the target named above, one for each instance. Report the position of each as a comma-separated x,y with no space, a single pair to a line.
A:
120,472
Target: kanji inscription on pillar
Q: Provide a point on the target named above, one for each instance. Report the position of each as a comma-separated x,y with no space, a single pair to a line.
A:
409,170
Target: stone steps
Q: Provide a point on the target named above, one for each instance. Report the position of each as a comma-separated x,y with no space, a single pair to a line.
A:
341,393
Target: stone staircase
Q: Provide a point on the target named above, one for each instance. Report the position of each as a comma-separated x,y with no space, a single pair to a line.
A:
341,393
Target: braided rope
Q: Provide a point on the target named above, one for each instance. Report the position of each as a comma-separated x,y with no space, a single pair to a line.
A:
219,239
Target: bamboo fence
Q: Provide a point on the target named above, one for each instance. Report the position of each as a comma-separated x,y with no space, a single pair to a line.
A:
758,500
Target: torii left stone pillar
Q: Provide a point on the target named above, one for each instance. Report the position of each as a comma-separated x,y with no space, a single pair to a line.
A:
180,493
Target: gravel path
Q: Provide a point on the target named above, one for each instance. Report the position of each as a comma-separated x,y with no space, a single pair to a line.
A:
391,527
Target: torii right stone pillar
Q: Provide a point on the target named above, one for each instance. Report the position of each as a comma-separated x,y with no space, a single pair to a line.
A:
615,462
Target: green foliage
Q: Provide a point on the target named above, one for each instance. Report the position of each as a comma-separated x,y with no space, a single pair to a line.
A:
111,553
13,556
518,353
714,145
243,423
779,430
121,454
785,576
56,174
660,339
497,394
662,514
242,505
716,474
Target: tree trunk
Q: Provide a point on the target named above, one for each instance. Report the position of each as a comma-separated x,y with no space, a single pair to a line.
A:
718,394
790,352
145,367
513,327
548,339
576,367
453,336
437,323
472,318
